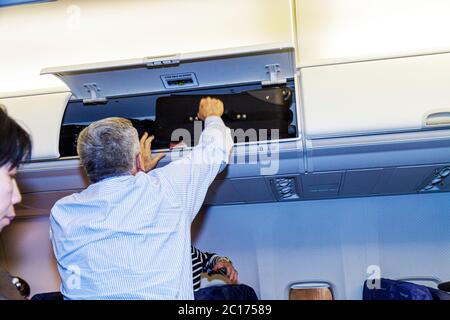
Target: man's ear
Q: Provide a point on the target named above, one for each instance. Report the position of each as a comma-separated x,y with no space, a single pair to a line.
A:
139,163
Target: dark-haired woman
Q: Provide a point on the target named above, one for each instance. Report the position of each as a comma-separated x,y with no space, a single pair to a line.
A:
15,146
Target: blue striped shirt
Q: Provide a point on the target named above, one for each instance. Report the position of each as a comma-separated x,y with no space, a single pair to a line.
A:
128,237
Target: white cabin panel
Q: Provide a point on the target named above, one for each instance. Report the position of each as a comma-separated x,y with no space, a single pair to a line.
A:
68,32
330,31
377,96
340,242
41,115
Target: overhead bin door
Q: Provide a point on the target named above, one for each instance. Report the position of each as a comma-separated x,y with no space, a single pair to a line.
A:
41,114
394,95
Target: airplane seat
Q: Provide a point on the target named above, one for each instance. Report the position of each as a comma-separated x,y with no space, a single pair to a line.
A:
226,292
48,296
438,294
214,286
221,292
444,286
404,290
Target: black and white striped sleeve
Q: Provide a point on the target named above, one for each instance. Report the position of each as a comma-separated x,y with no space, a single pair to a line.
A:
201,262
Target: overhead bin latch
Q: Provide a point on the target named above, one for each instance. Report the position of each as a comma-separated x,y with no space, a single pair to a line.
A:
95,95
160,62
273,70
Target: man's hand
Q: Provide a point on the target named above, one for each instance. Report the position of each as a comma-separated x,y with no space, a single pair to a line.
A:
232,274
148,162
209,107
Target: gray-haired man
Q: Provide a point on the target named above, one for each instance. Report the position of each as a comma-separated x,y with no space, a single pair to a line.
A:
127,236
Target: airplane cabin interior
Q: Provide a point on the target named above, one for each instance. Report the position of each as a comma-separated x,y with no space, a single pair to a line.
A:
354,187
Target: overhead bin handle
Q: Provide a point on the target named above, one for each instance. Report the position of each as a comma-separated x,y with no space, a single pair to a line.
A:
161,61
437,118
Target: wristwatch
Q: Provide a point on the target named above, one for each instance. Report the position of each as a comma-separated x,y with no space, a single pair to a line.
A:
225,259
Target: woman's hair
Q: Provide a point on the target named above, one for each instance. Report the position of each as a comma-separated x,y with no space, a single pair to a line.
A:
15,142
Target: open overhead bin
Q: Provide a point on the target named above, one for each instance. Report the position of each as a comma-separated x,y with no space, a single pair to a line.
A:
140,89
262,77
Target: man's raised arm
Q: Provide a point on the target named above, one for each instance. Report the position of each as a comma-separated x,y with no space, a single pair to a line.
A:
189,178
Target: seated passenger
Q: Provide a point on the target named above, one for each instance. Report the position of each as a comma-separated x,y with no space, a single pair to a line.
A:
205,262
15,146
127,236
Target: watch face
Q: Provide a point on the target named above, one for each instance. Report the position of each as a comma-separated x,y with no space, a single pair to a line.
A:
225,259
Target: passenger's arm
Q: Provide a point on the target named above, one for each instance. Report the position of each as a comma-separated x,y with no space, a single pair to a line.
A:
189,177
207,259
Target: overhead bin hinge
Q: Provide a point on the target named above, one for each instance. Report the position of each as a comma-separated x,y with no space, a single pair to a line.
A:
273,70
159,62
95,95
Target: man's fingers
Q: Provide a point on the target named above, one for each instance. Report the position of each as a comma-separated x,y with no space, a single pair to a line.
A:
235,277
230,272
232,276
156,159
220,104
148,142
159,156
204,101
143,138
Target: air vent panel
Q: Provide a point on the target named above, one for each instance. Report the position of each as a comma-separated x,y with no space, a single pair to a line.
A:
180,80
